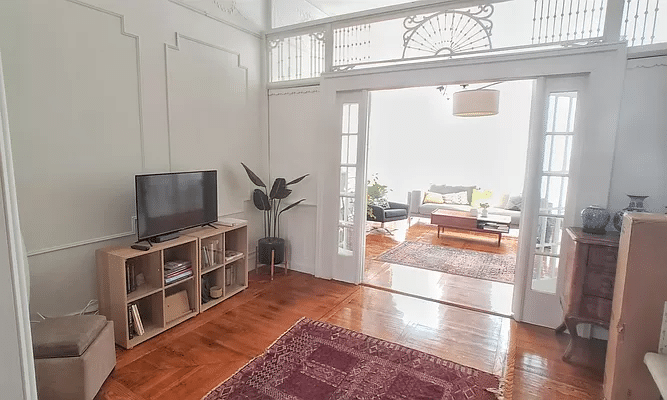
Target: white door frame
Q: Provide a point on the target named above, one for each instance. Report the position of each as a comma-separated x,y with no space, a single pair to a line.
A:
15,333
352,255
603,64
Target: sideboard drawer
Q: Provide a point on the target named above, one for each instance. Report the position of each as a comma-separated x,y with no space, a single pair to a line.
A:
603,256
599,282
594,307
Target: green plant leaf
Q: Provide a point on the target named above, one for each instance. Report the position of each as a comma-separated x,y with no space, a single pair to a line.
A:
297,180
261,200
292,205
253,177
279,186
283,193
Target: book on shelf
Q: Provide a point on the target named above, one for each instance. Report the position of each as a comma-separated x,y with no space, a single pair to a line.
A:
229,275
229,254
170,265
496,227
173,278
130,321
206,259
138,324
176,271
130,278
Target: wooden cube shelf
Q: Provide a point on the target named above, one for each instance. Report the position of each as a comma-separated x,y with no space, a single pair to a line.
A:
120,269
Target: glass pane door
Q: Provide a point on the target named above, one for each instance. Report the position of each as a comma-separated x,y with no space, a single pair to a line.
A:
353,109
553,144
554,175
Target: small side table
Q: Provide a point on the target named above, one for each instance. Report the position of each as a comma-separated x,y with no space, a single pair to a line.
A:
284,264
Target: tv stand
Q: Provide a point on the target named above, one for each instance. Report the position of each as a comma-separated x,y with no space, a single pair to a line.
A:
129,277
165,238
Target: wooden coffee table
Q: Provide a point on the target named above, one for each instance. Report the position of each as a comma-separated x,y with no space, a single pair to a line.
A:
492,223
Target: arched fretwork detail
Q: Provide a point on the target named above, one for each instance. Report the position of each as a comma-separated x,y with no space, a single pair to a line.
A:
448,32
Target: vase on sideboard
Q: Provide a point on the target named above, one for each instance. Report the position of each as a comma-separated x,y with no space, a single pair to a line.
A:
595,219
636,205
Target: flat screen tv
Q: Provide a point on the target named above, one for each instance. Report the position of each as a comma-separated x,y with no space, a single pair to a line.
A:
170,202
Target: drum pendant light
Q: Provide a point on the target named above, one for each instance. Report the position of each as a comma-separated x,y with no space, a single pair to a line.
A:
476,103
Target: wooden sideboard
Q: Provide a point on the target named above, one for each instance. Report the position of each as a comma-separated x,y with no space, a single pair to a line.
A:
588,287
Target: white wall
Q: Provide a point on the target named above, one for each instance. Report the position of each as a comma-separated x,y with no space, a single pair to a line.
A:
100,91
294,126
640,160
415,141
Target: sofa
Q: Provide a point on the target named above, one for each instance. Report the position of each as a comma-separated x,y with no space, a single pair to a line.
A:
463,198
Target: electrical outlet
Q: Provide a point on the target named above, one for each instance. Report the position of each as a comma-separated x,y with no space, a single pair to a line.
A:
133,223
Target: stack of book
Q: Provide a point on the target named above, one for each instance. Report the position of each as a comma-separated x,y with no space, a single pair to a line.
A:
229,254
176,270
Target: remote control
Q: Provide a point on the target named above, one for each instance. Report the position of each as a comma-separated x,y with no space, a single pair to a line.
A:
140,247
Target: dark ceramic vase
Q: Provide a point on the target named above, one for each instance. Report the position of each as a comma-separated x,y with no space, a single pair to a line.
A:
595,219
268,244
636,205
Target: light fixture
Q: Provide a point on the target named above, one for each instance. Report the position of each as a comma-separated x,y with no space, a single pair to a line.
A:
476,103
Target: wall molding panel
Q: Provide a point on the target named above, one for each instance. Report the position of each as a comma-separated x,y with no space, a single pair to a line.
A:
139,82
207,92
73,176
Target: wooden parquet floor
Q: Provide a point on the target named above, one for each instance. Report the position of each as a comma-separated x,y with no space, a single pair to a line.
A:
475,294
194,357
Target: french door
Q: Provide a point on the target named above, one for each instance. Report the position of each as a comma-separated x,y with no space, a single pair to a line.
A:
554,137
352,127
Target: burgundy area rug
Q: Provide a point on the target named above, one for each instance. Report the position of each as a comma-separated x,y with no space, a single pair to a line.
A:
315,360
475,264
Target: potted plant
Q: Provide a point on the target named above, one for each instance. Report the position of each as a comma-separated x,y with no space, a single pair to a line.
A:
269,203
375,192
485,211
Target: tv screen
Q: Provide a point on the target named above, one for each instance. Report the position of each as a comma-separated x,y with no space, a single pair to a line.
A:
167,203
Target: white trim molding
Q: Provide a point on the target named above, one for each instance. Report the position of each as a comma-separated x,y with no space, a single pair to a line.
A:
221,20
303,90
138,62
18,269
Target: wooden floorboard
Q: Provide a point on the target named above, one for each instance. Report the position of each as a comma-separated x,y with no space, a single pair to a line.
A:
471,293
192,358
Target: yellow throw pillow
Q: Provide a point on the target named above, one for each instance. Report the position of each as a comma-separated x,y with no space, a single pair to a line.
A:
434,198
480,196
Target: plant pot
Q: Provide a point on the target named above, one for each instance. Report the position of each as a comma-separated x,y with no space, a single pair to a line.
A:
268,244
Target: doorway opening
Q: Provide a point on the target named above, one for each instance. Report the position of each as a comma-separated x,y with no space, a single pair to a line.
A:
444,195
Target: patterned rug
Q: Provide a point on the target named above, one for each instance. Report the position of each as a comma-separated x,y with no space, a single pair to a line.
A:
475,264
315,360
